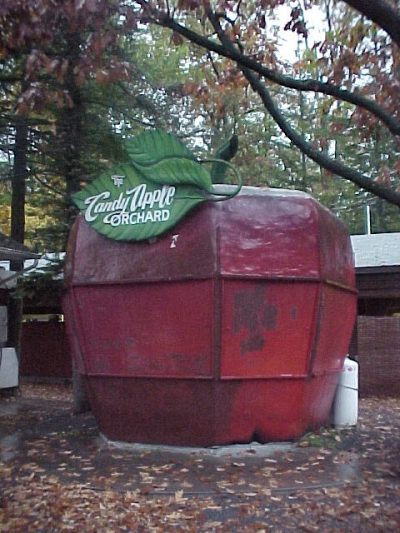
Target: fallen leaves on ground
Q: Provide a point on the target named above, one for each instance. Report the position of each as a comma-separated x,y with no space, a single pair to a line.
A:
57,475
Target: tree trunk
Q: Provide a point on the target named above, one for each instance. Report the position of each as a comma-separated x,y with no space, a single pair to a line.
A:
20,173
80,398
70,166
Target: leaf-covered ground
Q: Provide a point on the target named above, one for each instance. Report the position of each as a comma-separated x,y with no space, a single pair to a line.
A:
57,474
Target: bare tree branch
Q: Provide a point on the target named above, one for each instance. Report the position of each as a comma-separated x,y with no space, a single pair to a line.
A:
333,165
308,85
47,186
214,66
318,156
382,13
7,119
252,69
10,79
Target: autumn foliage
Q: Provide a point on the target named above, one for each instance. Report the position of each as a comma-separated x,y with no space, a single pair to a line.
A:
42,43
356,62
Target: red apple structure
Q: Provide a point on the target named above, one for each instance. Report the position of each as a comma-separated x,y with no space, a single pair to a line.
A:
230,328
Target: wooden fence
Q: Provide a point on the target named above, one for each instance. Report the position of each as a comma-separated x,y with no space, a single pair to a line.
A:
45,351
378,355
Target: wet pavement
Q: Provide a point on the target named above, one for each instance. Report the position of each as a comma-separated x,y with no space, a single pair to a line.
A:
257,487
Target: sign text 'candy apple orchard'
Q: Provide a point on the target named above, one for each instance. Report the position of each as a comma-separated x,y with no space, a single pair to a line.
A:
151,193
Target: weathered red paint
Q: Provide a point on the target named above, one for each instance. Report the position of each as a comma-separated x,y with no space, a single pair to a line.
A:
231,327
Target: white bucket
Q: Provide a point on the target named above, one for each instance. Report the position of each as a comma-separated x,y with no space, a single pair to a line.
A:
345,408
8,368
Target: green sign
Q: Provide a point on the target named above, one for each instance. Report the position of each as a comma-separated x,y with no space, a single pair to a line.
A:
148,196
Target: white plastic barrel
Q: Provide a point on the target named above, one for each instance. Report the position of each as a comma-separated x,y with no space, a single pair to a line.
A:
8,368
345,408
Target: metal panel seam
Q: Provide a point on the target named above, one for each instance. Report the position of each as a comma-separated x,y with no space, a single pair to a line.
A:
316,330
